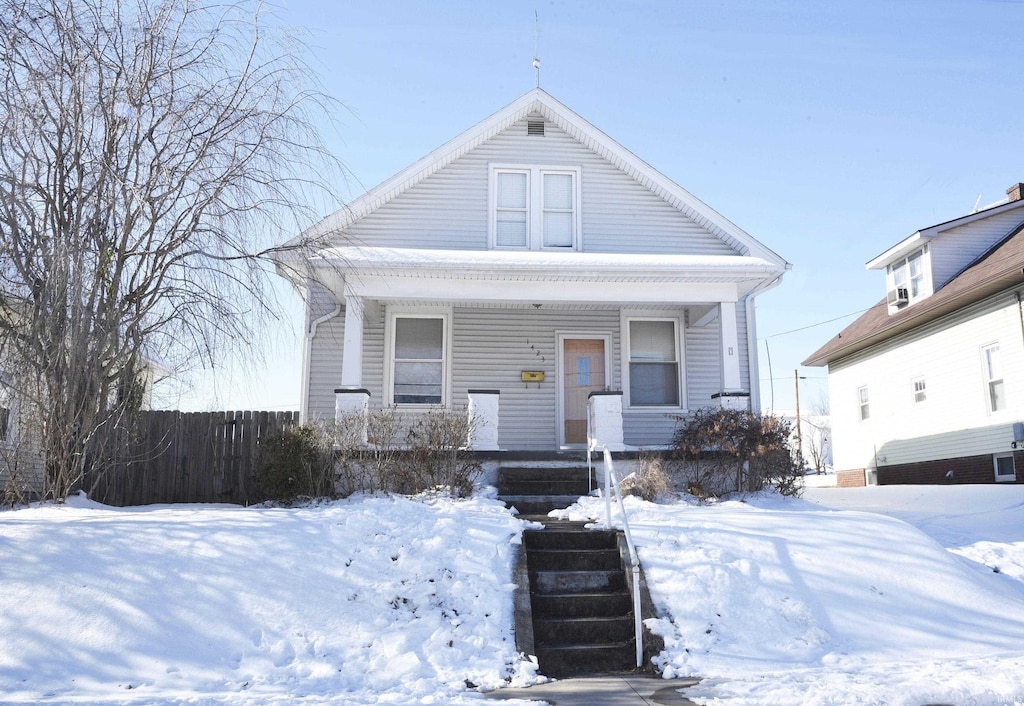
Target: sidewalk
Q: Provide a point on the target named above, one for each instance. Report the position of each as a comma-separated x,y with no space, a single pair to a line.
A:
604,690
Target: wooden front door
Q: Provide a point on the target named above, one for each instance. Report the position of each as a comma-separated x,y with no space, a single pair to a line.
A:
583,372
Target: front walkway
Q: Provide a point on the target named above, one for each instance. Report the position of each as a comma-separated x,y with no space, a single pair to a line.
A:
624,689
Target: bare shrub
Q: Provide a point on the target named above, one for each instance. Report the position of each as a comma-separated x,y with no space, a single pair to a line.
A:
650,480
405,453
723,450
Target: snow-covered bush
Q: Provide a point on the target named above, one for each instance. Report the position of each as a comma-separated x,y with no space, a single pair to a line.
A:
717,451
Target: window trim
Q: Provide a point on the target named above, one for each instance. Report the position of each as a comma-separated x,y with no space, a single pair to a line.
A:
995,468
988,381
863,403
627,318
534,205
393,314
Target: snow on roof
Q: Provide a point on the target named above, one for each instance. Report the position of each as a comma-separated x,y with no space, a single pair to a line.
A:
546,263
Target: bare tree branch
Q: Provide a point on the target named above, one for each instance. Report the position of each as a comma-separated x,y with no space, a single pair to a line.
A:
152,155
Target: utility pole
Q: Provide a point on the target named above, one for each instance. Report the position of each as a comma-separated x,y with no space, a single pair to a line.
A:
799,438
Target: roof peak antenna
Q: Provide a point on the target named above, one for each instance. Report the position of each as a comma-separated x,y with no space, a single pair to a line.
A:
536,45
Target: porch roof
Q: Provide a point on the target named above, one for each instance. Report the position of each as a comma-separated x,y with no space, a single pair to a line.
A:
532,275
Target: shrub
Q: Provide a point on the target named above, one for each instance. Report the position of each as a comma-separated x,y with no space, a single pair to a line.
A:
405,453
722,450
295,464
649,481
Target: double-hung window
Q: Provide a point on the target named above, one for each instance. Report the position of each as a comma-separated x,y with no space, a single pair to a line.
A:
534,207
992,369
653,363
908,278
863,404
418,360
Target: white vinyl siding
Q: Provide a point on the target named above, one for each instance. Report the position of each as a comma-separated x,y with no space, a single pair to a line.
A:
534,207
450,209
956,421
958,247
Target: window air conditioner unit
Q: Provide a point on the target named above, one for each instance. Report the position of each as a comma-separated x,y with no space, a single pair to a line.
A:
898,296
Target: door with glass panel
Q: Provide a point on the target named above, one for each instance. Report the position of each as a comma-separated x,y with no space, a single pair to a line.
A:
583,372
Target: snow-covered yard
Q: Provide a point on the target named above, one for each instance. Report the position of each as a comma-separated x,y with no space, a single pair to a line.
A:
858,596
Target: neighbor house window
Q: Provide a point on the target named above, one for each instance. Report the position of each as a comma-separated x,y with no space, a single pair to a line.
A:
653,363
418,359
1004,468
993,372
920,391
535,208
862,398
908,275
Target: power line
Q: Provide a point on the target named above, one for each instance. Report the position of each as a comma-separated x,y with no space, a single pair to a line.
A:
820,323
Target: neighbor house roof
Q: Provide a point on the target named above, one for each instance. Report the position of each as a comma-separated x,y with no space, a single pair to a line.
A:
539,102
999,269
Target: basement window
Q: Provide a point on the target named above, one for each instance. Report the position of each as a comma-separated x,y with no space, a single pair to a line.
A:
1004,468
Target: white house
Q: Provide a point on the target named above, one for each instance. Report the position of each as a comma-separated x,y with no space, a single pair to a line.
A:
925,386
535,270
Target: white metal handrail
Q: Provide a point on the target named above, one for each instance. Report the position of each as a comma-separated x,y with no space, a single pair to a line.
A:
611,481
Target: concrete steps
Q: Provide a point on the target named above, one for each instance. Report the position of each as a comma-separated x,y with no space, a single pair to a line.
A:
582,609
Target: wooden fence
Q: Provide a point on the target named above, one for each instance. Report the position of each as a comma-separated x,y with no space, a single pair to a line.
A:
181,457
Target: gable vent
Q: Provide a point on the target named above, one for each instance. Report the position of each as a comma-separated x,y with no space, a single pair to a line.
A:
535,127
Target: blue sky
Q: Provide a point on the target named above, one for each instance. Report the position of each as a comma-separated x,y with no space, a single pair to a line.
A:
827,130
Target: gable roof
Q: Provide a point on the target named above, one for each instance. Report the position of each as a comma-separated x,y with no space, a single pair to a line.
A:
999,269
539,102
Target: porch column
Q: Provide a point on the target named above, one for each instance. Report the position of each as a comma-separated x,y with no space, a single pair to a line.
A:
352,350
352,408
604,410
732,395
483,420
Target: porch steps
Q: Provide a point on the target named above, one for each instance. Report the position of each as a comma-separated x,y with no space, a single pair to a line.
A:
581,607
534,491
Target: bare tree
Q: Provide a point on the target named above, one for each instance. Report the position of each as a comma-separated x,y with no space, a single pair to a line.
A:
151,154
817,428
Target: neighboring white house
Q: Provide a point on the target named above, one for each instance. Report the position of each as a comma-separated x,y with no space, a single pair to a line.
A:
531,268
926,386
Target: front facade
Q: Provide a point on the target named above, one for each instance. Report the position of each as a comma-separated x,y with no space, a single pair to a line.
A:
923,387
533,269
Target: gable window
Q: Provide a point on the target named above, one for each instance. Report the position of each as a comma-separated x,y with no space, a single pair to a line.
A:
907,279
993,371
862,399
920,391
653,363
1004,468
535,208
418,359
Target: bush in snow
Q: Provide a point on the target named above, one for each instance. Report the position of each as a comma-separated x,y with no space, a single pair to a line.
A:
650,480
297,463
717,451
405,453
